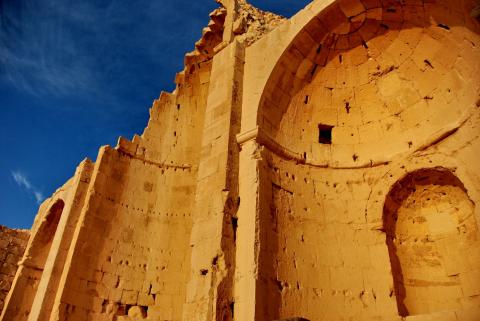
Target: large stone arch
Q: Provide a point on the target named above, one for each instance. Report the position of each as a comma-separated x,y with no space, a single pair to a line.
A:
388,77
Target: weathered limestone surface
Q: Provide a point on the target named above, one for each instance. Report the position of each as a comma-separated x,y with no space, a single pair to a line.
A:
323,167
12,247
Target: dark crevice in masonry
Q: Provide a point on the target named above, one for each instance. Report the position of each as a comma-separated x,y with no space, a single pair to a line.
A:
439,139
234,227
314,69
428,63
384,72
347,107
215,262
232,309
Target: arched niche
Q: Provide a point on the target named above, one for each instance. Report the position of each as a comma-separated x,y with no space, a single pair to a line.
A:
46,232
430,226
366,80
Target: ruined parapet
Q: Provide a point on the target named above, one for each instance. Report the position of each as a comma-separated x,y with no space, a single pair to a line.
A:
252,23
12,247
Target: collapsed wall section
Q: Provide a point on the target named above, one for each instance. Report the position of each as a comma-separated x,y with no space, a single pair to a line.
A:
12,246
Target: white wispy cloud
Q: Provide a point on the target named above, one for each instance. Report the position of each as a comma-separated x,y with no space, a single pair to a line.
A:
23,182
41,54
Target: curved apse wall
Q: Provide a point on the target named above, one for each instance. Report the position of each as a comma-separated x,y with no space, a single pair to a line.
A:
383,78
430,225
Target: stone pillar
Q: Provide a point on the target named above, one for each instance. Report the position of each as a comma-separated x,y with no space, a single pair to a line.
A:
247,255
209,293
232,10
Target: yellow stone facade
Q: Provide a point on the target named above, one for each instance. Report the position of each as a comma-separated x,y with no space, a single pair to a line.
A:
323,167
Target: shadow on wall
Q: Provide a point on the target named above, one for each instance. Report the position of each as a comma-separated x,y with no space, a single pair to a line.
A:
49,227
430,223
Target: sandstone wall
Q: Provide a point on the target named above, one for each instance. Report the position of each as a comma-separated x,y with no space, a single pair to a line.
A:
326,254
12,247
132,252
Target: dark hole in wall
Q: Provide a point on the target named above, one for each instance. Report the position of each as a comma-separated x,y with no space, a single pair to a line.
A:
104,306
325,134
443,26
234,226
279,285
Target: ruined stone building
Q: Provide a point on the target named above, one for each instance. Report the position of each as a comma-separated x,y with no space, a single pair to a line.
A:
324,167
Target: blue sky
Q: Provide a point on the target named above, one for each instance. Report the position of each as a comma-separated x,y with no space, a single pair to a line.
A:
75,75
